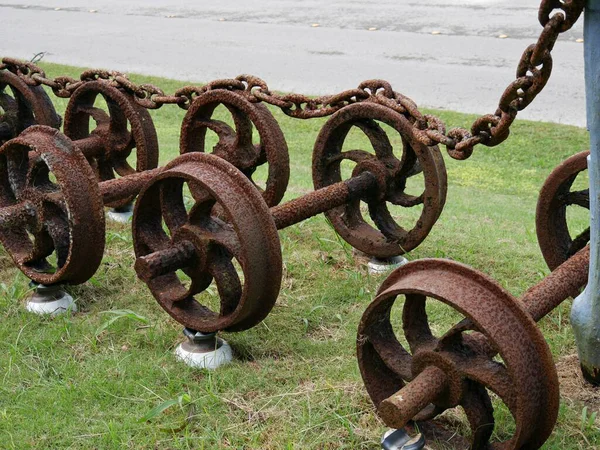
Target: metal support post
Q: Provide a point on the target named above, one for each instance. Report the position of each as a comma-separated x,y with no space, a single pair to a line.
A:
585,314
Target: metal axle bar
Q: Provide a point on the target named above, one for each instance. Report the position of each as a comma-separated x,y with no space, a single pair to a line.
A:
120,188
322,200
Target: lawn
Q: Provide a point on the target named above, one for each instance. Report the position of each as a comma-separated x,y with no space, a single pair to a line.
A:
87,381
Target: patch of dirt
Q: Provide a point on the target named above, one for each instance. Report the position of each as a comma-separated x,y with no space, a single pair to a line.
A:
572,385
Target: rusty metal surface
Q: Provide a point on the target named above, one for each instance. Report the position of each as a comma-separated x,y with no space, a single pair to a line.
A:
324,199
564,281
125,127
60,237
552,228
114,191
51,206
524,379
389,238
248,236
22,106
236,144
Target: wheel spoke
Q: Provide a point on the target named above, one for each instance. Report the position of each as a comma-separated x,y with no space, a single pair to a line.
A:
377,137
415,324
262,158
99,115
393,355
121,144
105,169
398,197
579,242
385,222
202,210
56,224
494,376
352,155
43,246
150,234
579,198
26,117
18,167
480,413
223,130
38,179
224,235
243,127
120,163
172,204
227,280
410,164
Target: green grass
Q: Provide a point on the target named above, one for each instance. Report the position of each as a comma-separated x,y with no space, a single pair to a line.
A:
79,382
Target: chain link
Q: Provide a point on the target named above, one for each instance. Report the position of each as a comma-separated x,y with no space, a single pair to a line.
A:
533,72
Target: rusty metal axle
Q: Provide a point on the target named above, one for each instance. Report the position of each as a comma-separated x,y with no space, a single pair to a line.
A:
182,254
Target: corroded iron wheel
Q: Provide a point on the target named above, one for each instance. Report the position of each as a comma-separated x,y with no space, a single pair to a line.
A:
52,220
557,242
384,237
235,145
458,367
181,247
109,146
22,106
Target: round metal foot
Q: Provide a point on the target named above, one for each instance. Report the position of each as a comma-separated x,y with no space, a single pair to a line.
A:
203,351
377,265
587,335
400,440
122,214
50,300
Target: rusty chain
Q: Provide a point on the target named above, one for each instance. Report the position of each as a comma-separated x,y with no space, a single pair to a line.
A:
533,72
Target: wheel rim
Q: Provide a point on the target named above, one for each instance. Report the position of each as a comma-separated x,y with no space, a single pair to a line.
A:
23,106
42,170
387,238
235,144
554,237
124,127
525,381
248,235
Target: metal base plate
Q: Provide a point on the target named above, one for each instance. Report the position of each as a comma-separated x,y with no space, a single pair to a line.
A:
50,300
197,356
400,440
119,217
377,266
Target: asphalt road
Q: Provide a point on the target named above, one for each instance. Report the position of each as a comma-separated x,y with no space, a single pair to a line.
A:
445,54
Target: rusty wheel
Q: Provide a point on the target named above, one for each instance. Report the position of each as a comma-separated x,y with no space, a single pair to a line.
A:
50,208
236,145
458,368
384,237
124,126
22,106
181,248
558,196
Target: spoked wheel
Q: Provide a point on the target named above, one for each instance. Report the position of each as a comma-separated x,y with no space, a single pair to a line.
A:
433,373
235,145
181,248
22,106
50,208
384,236
562,192
122,128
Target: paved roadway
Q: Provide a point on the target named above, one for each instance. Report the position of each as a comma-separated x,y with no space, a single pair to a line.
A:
465,67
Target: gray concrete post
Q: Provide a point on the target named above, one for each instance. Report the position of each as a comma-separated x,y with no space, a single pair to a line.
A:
585,313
